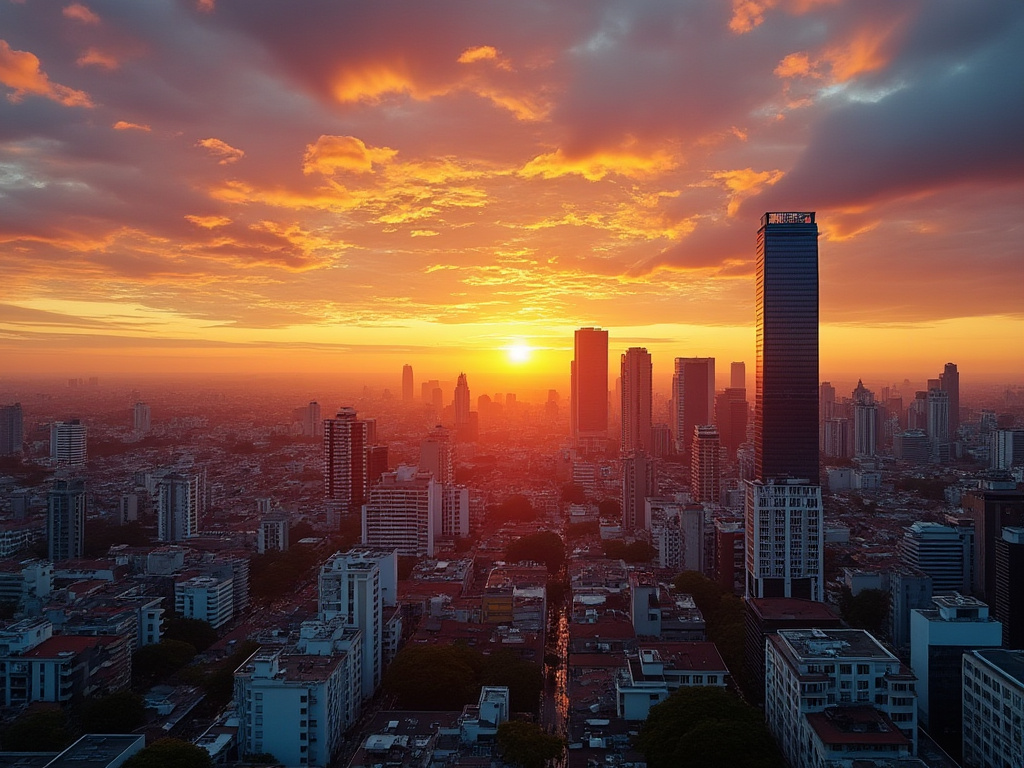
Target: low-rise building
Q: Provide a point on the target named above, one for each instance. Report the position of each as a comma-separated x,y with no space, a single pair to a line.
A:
653,672
207,598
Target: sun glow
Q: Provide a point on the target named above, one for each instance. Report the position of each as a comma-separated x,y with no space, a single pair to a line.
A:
519,352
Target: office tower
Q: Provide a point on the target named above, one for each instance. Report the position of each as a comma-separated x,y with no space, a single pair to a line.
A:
351,586
661,440
461,403
141,419
179,505
309,418
345,461
637,396
693,395
403,512
993,708
679,534
939,637
937,414
437,455
12,429
1006,448
407,384
205,598
1009,588
826,401
998,504
869,707
786,421
376,464
454,511
638,482
65,520
731,418
273,535
949,382
865,421
68,442
706,465
589,382
942,552
909,589
837,438
738,376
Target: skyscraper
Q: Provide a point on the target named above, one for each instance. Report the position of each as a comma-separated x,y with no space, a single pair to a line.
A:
783,511
949,382
786,426
461,403
407,383
638,482
865,421
345,461
179,505
589,374
11,429
404,512
636,400
693,394
141,419
65,520
706,464
68,442
738,375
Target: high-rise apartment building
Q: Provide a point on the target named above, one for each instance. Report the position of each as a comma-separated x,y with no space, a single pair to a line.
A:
142,421
345,442
1009,587
786,401
1006,448
437,455
693,397
407,384
12,429
949,382
637,397
180,502
783,511
68,442
865,422
731,411
589,383
706,465
998,504
937,425
993,708
943,552
65,520
403,512
461,403
738,375
638,482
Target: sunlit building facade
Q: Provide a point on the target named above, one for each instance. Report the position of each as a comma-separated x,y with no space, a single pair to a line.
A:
637,398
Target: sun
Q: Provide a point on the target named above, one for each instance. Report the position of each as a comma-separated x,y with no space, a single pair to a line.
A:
519,352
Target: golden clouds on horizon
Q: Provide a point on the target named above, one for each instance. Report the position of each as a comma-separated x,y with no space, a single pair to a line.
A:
330,154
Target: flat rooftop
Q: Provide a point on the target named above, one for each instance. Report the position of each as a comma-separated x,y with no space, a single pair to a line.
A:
833,643
98,750
1010,663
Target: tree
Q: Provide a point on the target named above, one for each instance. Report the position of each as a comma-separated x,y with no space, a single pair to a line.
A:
634,552
527,745
543,547
706,727
706,593
41,731
120,712
152,663
170,753
574,494
515,509
610,508
524,679
434,677
575,531
868,610
196,632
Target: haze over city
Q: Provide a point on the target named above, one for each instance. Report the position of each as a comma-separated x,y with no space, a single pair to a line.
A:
239,187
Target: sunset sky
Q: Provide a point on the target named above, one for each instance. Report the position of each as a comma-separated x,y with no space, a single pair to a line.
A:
350,186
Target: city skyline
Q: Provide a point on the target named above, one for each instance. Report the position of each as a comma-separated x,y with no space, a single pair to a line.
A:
213,188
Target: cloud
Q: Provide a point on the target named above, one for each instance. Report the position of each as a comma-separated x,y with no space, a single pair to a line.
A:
744,183
209,222
596,166
81,13
19,70
222,150
93,57
122,125
478,53
331,154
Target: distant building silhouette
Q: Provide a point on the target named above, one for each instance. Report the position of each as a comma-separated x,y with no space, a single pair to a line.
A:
12,429
65,520
141,419
693,396
589,380
345,442
68,443
949,382
408,387
637,396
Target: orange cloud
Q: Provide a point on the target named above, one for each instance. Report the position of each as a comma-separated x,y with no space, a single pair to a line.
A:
206,6
331,154
596,166
94,57
122,125
797,65
221,149
864,52
371,83
209,222
747,14
19,70
79,12
744,183
479,53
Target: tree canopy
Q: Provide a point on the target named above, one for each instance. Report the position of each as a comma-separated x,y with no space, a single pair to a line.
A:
868,610
120,712
707,727
170,753
527,745
515,509
152,663
542,547
40,731
610,508
634,552
573,494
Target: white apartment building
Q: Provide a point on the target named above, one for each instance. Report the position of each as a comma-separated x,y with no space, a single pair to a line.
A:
785,539
993,708
350,589
653,672
292,706
179,505
404,512
273,535
208,598
809,671
68,442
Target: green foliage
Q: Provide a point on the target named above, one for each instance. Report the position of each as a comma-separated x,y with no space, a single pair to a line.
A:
196,632
573,494
120,712
634,552
934,490
100,536
515,509
580,530
707,728
868,610
445,677
219,682
152,663
610,508
543,547
527,745
706,593
273,575
45,731
170,753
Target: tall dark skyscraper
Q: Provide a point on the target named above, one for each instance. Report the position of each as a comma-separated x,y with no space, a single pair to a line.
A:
949,382
589,371
693,396
786,427
11,429
636,400
407,383
345,442
65,520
